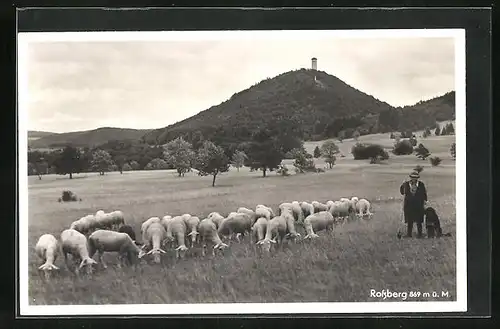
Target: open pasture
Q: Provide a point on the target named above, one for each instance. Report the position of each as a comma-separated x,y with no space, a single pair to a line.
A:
342,266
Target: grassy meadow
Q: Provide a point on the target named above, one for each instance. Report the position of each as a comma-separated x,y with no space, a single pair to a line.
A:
339,266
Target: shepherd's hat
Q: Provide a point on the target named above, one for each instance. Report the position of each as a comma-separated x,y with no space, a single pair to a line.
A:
414,175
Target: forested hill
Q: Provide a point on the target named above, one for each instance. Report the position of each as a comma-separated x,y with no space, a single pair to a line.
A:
88,138
308,109
294,99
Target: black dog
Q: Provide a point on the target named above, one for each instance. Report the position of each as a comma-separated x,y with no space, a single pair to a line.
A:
433,224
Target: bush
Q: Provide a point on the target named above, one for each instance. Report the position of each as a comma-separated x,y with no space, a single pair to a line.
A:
435,161
418,169
453,151
127,167
282,170
68,196
392,136
368,151
403,147
413,141
422,152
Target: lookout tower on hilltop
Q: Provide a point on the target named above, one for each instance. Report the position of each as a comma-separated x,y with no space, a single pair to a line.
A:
314,66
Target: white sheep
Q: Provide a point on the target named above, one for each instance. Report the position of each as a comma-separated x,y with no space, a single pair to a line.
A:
317,222
154,235
340,210
318,206
259,229
362,207
111,241
307,208
177,230
249,212
264,211
238,223
85,224
47,250
276,231
192,225
287,214
296,209
75,243
146,223
110,220
216,218
209,235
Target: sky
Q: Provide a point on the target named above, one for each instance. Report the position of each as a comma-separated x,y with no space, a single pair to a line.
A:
75,86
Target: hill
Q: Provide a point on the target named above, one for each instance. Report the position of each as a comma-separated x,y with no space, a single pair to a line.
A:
292,100
34,134
300,106
88,138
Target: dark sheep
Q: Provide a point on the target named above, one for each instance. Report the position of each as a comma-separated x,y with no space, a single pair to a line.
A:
129,230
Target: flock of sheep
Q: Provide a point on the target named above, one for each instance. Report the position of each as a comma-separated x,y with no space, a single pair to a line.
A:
97,233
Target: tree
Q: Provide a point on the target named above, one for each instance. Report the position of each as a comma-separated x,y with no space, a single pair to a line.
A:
157,164
453,151
126,167
180,155
317,152
437,132
134,165
435,161
120,161
422,152
355,135
302,162
391,136
37,163
211,160
238,159
427,132
264,152
68,161
101,162
374,152
341,135
450,130
328,150
413,141
403,148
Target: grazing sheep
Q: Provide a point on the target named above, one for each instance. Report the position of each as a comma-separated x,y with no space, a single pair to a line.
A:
47,249
362,207
154,235
209,235
296,209
259,229
216,218
75,243
111,241
264,211
276,230
340,210
146,224
249,212
129,230
85,224
110,220
317,222
192,225
164,221
287,214
176,231
318,206
238,223
307,208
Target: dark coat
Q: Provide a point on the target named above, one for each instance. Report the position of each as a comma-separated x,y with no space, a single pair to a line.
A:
413,206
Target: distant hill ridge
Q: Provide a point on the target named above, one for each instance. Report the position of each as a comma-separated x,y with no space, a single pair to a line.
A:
88,138
292,101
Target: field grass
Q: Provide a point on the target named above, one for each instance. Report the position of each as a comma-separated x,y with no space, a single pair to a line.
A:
342,266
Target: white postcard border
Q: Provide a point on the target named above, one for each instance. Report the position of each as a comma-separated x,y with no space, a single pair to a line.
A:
460,305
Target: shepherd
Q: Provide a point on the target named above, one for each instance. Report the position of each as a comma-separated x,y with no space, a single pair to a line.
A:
415,199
